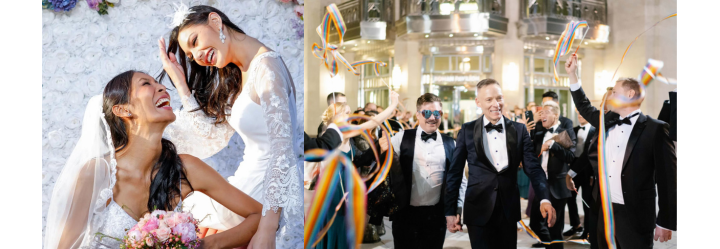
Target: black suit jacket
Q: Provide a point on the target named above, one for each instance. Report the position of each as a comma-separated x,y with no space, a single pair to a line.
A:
649,159
485,182
558,163
329,140
581,165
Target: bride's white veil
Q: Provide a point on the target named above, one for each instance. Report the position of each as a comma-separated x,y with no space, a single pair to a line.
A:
85,184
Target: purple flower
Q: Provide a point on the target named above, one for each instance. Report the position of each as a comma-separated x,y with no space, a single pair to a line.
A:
94,4
187,230
299,27
63,5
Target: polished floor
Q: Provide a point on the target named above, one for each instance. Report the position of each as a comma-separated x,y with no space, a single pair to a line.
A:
461,239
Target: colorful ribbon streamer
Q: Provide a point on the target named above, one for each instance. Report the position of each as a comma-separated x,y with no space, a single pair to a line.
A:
534,236
355,194
634,40
328,52
329,182
565,42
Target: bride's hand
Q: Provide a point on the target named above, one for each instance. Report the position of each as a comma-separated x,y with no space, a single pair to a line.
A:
264,238
173,69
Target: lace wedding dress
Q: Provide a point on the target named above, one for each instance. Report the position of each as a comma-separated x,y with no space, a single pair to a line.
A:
115,221
264,115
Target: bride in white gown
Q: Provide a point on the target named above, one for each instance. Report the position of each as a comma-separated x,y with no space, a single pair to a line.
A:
122,168
215,54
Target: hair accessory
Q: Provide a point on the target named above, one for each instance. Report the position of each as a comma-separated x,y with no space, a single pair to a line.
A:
181,13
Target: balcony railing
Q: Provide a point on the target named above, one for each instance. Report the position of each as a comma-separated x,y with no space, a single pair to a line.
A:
594,12
367,19
421,19
548,18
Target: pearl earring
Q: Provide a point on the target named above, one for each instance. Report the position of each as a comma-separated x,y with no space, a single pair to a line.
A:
222,36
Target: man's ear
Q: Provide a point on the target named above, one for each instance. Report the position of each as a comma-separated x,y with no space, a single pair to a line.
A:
631,94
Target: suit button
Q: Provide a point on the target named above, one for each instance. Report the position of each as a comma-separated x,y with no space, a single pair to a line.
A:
495,189
623,174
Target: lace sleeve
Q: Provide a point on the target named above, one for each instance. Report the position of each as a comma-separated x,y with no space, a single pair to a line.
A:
194,133
282,178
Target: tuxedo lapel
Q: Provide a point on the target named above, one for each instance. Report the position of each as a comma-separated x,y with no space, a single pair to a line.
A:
478,134
634,136
511,141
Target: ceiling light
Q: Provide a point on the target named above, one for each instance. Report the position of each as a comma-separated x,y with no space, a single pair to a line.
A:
547,38
451,35
475,35
426,36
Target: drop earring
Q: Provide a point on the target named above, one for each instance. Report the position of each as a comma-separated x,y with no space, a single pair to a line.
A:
222,36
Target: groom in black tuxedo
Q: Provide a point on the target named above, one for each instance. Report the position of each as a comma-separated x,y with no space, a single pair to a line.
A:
640,156
493,147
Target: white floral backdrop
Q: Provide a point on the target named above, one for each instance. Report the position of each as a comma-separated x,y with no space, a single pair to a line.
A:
82,51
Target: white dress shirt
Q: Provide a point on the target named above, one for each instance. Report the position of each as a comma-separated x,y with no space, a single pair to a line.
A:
546,154
496,144
616,143
428,169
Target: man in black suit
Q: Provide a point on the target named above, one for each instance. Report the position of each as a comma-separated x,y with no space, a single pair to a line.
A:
425,156
332,98
555,161
640,154
493,147
565,123
446,125
581,173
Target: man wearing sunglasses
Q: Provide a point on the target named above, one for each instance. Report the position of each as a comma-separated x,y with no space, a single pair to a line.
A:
493,147
425,156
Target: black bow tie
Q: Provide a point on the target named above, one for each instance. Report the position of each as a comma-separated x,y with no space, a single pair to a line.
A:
497,127
582,128
551,130
620,122
424,136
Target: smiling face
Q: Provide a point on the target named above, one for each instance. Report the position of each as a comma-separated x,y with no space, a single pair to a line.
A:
490,100
429,125
149,101
202,44
548,117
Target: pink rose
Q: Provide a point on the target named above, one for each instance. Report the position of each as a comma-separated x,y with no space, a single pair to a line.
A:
151,224
187,232
149,241
171,221
163,234
135,235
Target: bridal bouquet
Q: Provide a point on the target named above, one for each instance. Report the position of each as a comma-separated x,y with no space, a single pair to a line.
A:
162,229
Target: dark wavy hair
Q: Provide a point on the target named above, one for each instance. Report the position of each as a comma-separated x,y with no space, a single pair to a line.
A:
169,171
215,88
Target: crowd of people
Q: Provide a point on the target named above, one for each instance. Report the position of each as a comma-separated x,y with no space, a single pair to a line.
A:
446,177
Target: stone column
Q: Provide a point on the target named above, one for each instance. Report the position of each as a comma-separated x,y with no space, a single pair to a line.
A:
508,59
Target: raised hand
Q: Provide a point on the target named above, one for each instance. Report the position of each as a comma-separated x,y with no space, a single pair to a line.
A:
571,67
548,212
173,69
394,98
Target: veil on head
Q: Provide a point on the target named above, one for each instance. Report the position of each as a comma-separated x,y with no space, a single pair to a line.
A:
85,184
